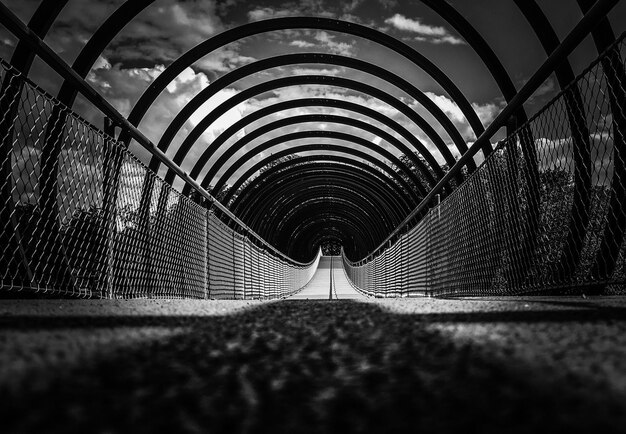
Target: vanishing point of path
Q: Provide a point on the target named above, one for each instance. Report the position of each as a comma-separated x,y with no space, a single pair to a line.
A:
329,283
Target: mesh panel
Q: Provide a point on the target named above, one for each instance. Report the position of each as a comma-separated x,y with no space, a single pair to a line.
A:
544,213
74,221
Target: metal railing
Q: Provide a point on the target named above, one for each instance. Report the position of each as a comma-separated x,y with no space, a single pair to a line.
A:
73,226
545,212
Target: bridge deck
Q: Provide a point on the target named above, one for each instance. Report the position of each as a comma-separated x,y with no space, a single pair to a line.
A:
411,365
322,288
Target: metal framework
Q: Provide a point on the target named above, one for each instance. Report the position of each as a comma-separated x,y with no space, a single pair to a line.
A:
391,188
394,126
332,119
398,180
482,252
103,235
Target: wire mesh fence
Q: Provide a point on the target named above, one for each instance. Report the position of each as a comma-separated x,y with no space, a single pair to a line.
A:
73,223
545,213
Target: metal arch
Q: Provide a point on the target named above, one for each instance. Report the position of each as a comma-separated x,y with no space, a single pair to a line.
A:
312,198
333,119
324,217
339,206
329,234
377,227
345,105
579,221
300,80
329,134
326,232
358,205
128,10
613,68
308,163
125,13
294,191
121,19
22,59
40,23
96,45
303,58
128,2
348,241
261,205
313,134
191,56
447,12
299,192
67,95
335,103
330,148
503,80
54,131
492,62
354,211
361,241
310,159
310,225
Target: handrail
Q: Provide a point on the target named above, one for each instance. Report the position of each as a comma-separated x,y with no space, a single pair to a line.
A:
591,19
12,23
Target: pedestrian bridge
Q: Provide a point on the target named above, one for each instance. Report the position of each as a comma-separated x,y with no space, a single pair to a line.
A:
540,211
317,266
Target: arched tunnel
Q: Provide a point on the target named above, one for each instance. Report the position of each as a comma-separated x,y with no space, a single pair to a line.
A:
383,197
356,201
451,175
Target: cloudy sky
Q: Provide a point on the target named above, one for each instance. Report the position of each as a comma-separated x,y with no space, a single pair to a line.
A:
168,28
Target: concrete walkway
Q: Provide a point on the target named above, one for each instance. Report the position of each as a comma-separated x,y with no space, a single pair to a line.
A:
321,287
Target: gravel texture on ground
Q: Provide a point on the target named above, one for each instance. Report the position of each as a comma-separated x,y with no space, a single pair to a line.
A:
404,365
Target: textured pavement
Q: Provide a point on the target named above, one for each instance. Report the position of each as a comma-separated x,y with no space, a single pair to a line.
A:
402,365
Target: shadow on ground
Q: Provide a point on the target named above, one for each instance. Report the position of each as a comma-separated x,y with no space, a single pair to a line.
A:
304,366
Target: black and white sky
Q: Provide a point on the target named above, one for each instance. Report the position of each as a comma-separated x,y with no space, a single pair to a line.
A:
168,28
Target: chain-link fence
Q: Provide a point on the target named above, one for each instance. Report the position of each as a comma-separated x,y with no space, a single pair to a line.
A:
73,223
545,213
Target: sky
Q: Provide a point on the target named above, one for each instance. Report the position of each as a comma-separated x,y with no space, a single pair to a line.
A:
168,28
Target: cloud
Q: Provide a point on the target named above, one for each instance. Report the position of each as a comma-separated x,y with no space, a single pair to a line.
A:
448,106
329,41
351,5
301,44
400,22
225,121
313,8
260,14
486,113
316,71
425,32
547,87
388,4
224,60
449,39
164,31
123,86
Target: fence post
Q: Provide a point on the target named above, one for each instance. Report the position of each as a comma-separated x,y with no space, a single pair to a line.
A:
107,204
